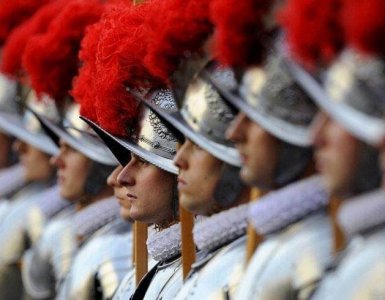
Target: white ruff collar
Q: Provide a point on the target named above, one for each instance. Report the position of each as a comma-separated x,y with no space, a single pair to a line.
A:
50,202
287,205
221,229
95,216
362,213
165,244
11,179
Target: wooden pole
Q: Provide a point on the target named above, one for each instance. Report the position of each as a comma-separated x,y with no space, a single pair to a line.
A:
338,235
141,255
253,238
133,244
188,246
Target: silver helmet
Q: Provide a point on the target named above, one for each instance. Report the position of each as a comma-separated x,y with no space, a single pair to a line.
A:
150,140
26,126
78,135
204,115
271,97
352,93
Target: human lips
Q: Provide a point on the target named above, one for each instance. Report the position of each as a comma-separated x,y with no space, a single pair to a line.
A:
131,196
181,183
122,200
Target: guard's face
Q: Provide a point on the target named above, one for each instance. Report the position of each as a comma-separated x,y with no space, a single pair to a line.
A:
199,173
258,150
73,168
5,148
35,163
149,190
336,155
120,193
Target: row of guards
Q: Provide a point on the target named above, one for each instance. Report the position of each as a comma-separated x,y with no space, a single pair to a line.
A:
192,149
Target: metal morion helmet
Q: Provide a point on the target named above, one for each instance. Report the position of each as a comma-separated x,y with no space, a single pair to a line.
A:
352,93
80,137
149,139
26,126
271,97
205,116
352,87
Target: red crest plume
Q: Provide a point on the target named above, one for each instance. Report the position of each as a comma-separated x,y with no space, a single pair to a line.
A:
51,59
119,64
14,13
184,28
17,40
83,89
364,22
241,36
313,30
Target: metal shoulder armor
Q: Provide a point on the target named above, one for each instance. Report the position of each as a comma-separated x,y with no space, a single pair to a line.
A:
289,263
15,240
128,286
220,276
37,220
100,266
47,263
358,271
13,231
48,206
167,281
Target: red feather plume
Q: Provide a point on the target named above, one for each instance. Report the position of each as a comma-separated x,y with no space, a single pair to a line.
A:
313,30
83,90
51,59
364,22
119,64
17,40
14,13
241,37
184,28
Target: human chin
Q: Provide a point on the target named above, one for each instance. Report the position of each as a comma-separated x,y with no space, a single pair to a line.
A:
247,175
125,214
185,200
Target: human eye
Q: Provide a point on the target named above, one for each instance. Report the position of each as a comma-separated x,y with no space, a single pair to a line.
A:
138,160
197,147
